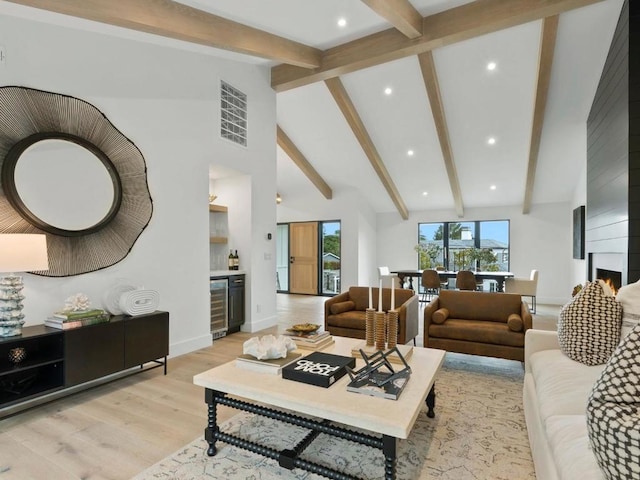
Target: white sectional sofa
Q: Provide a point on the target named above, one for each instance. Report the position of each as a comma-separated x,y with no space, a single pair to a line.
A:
556,390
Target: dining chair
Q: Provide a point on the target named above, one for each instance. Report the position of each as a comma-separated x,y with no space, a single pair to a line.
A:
431,284
466,280
443,283
384,273
526,287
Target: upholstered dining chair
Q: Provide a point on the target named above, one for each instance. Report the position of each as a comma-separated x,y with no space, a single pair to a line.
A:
443,283
384,273
526,287
430,284
466,280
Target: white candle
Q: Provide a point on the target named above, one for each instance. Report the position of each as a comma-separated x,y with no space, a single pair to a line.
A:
393,295
380,296
370,298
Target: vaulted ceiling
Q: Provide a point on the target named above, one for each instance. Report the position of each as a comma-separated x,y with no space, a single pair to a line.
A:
451,133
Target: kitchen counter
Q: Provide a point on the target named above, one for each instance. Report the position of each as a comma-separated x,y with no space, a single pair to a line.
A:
226,273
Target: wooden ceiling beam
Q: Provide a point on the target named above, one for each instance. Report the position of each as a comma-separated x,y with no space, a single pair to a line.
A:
176,20
545,63
302,163
399,13
430,77
352,117
444,28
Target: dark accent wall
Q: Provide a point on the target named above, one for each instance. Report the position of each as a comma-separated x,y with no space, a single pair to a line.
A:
634,141
613,184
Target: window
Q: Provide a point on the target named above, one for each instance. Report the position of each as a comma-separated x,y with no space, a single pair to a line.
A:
233,114
431,242
282,257
330,258
480,245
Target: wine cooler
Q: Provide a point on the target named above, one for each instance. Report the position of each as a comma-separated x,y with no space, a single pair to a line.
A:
219,292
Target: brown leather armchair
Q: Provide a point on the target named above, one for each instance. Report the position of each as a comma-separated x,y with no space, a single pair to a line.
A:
344,314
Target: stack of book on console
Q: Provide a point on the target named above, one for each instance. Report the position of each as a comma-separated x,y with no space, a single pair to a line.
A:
66,320
312,340
272,365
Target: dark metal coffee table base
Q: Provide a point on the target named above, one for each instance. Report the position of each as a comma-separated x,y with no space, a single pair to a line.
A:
290,458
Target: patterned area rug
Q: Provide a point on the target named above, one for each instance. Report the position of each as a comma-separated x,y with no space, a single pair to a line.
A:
479,433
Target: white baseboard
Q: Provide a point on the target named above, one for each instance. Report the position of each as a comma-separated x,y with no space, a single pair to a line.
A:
260,324
551,300
190,345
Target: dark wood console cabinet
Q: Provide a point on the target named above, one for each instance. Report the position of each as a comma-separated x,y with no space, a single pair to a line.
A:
57,360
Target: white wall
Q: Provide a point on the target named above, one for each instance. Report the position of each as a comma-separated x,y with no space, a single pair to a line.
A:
166,101
357,230
540,240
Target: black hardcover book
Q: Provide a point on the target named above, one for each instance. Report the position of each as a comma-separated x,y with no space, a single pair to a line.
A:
321,369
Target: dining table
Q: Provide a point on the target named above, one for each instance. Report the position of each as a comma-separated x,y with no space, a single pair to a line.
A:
499,277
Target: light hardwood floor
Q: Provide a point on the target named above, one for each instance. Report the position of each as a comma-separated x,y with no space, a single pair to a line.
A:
116,430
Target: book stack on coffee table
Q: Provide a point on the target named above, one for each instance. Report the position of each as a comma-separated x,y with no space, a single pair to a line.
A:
273,365
311,341
318,368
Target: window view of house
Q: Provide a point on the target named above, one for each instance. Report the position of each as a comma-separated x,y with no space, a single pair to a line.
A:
479,246
282,258
330,257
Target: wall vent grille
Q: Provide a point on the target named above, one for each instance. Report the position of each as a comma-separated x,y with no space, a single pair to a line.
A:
233,114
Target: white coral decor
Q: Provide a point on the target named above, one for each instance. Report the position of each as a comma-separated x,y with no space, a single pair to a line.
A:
77,303
268,347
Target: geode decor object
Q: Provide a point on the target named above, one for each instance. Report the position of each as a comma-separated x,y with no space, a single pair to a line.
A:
268,347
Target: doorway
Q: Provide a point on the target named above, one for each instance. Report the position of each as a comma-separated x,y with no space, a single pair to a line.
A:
308,258
303,258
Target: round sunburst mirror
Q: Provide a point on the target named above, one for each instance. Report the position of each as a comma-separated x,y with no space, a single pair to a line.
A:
66,171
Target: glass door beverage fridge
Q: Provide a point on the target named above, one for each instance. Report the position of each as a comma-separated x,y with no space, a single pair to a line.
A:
219,292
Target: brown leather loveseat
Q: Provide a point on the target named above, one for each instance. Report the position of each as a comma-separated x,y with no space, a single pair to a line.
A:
478,323
344,314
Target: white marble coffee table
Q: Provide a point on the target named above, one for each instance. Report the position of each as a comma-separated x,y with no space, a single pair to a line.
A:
392,419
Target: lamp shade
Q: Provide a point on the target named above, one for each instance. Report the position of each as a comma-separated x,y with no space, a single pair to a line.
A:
23,252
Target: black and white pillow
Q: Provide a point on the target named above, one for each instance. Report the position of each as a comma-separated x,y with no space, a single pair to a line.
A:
589,325
613,412
629,297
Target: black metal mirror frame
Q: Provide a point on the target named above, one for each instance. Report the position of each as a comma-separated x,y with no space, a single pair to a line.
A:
28,116
7,177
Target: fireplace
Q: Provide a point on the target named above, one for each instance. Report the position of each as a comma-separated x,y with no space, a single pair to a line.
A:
613,278
609,267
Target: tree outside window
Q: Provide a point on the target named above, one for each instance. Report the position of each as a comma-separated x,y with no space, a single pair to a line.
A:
479,245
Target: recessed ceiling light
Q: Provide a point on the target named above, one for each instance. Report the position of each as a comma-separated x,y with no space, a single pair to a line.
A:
491,141
342,22
491,66
388,91
492,187
425,193
410,153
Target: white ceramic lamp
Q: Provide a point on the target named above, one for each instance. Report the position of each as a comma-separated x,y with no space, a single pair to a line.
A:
19,252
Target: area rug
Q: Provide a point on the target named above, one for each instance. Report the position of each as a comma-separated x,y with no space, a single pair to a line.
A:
479,433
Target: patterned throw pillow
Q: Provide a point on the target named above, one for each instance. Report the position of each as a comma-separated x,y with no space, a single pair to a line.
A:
589,326
613,414
629,297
